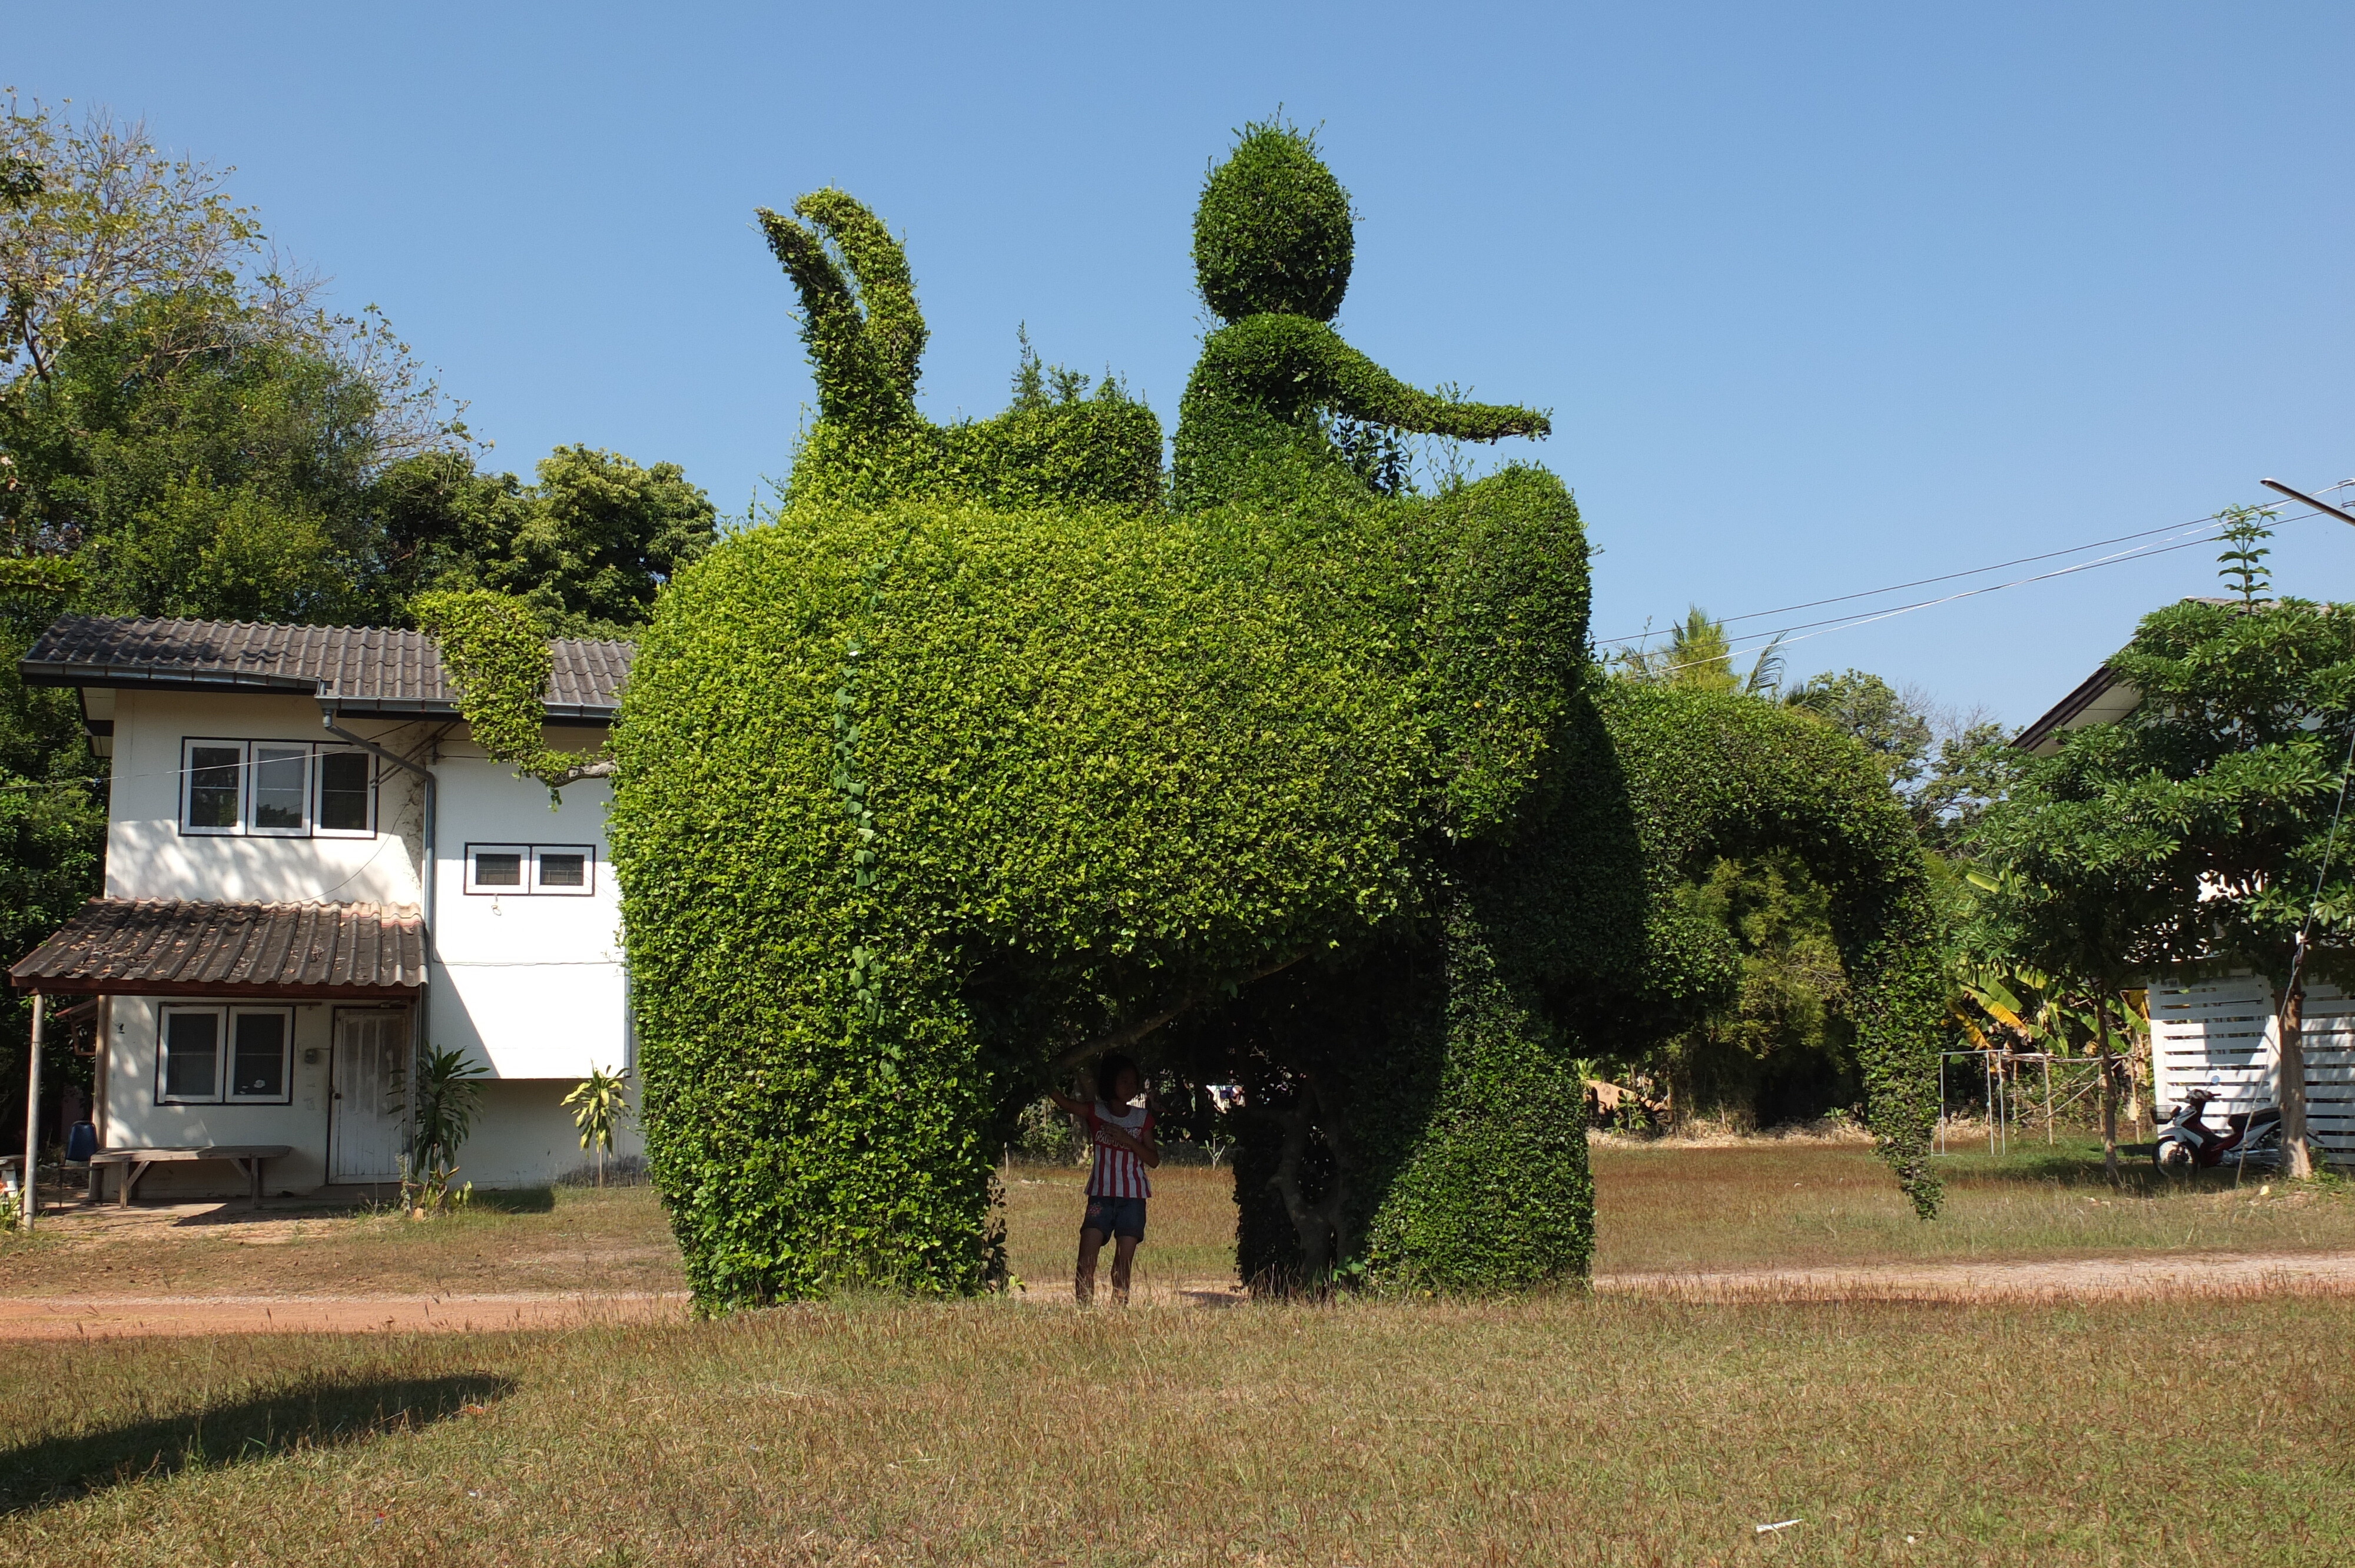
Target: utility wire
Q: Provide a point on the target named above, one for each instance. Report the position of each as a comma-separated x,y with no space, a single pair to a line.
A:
1842,623
1976,571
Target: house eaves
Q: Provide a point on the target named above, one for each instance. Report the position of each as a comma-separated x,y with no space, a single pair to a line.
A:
2100,698
377,672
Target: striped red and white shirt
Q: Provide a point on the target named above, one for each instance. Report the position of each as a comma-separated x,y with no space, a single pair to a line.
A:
1118,1172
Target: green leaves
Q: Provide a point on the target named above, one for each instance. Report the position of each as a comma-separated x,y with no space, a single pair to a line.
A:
1272,229
2196,828
978,751
492,647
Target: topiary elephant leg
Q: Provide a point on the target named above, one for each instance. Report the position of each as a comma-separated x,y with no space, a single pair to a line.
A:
1493,1192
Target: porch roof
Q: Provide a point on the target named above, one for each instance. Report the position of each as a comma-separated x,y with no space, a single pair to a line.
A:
119,946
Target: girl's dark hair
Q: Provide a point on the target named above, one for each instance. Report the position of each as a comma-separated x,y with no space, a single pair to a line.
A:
1108,1070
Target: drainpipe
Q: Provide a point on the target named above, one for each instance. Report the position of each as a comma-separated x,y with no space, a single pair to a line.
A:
430,879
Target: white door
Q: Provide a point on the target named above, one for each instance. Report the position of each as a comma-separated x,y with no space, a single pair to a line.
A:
367,1118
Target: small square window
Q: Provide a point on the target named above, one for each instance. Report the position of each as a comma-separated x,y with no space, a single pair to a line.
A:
496,868
564,869
258,1068
190,1068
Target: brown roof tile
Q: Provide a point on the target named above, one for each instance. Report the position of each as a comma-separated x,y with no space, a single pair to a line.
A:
368,667
167,947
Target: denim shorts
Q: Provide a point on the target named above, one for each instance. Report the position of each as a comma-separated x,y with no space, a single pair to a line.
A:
1115,1217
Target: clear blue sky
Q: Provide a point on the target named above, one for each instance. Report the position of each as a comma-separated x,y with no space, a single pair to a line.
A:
1822,297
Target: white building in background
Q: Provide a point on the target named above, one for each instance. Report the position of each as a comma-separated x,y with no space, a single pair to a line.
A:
2219,1033
311,871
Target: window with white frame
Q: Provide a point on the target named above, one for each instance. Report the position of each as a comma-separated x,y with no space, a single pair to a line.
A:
563,869
554,870
276,789
225,1055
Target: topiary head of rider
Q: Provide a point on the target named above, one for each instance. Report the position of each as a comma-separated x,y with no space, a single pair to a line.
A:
1273,249
1272,234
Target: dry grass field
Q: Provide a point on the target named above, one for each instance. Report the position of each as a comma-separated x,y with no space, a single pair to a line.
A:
569,1239
1552,1431
1797,1206
1761,1204
1558,1429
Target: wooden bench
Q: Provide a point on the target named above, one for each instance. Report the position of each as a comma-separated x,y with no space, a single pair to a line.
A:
249,1157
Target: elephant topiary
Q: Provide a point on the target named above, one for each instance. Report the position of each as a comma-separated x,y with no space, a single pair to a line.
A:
982,756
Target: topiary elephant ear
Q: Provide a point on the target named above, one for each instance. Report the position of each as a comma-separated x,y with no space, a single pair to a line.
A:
1272,234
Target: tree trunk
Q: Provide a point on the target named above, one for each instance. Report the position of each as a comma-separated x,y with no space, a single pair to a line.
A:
2109,1085
2297,1159
600,1167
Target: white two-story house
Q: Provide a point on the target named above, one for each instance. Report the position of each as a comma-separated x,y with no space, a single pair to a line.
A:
311,873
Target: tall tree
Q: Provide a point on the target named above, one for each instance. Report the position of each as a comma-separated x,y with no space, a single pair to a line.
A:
1700,656
587,547
1946,768
2086,892
2205,827
177,412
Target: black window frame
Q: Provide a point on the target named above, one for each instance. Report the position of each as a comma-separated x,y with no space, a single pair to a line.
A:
226,1016
529,882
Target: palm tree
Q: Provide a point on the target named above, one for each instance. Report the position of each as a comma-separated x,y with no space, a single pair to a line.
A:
1700,656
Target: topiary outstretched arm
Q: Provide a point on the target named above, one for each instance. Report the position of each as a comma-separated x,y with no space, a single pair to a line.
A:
865,345
1286,362
1361,389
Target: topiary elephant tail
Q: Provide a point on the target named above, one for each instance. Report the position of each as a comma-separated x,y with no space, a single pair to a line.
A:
865,332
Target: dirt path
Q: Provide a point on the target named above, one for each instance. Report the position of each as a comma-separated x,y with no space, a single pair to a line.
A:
2200,1274
116,1317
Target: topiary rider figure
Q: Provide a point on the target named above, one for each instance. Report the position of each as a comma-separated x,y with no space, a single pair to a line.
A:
1272,248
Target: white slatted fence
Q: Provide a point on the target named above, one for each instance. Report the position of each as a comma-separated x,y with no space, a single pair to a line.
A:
2218,1035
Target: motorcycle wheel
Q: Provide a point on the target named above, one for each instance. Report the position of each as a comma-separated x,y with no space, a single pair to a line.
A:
2174,1158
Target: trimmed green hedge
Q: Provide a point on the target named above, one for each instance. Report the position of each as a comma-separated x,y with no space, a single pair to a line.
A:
977,757
870,447
1271,255
908,798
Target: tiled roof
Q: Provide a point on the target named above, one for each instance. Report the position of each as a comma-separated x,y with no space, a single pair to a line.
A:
369,668
165,947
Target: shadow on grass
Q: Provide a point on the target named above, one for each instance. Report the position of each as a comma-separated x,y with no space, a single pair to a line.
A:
514,1201
317,1413
2078,1167
232,1212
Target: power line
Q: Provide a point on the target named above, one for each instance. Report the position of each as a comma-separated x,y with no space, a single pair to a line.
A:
1842,623
1951,577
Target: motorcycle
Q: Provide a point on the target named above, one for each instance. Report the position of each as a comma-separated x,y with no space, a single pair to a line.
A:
2187,1143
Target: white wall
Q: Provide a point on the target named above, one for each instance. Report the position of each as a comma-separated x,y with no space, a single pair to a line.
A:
531,984
130,1116
524,1136
147,856
2221,1035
